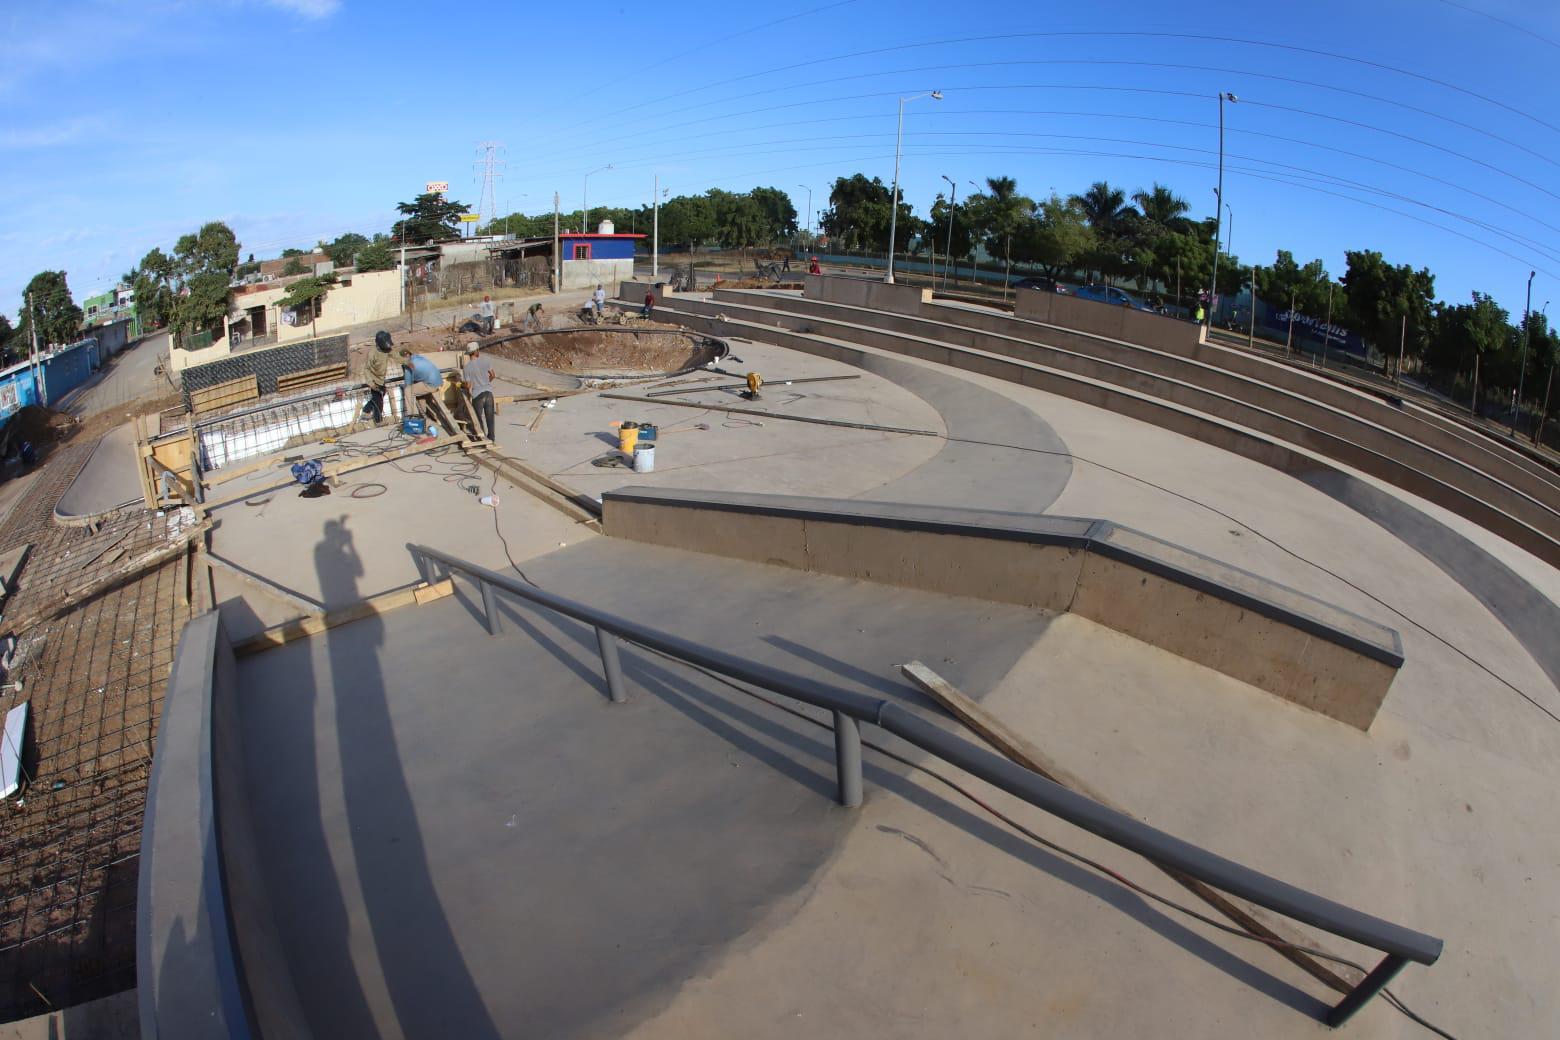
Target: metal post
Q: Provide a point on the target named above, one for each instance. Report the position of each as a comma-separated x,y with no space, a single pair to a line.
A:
1251,328
557,258
847,758
495,625
1543,415
610,665
655,240
1527,320
1289,341
1473,406
1369,986
1327,329
893,212
1402,348
953,202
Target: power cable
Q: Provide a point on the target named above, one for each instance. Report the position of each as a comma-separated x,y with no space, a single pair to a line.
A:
1508,24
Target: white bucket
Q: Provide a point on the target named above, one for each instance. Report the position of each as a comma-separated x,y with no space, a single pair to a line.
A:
644,458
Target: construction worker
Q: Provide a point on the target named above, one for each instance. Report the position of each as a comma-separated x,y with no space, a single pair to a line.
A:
421,378
478,375
486,310
813,268
598,300
533,317
648,306
374,374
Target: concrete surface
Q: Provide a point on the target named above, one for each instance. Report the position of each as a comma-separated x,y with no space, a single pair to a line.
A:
110,1018
13,490
510,855
132,375
107,481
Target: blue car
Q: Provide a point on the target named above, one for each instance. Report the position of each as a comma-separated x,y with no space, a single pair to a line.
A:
1110,294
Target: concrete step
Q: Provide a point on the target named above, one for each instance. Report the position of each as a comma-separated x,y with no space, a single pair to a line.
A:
1192,411
1317,403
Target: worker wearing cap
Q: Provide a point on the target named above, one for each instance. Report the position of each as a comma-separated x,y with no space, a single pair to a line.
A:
813,268
420,377
477,371
375,373
486,310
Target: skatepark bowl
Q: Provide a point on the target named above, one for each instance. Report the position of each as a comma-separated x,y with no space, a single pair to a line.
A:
605,352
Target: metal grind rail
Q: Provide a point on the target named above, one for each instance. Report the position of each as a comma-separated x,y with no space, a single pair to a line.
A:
1399,945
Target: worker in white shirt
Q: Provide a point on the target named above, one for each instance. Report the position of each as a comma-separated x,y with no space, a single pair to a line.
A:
598,300
486,310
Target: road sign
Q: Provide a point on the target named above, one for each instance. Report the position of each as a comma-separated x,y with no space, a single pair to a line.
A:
470,218
437,187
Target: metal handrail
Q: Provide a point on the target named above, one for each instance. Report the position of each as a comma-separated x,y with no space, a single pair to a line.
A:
1399,944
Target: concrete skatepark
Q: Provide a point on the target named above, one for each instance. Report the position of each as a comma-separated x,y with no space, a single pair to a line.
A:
456,833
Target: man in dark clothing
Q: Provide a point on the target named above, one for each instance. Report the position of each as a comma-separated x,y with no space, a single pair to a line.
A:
648,306
375,374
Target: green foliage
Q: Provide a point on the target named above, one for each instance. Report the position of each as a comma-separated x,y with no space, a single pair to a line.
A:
778,213
154,289
1286,280
203,269
47,305
860,212
289,253
689,218
1055,235
294,266
429,217
1378,296
345,248
378,255
739,221
306,290
961,232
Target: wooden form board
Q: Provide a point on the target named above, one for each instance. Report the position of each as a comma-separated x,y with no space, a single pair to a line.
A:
1006,741
225,395
311,377
384,603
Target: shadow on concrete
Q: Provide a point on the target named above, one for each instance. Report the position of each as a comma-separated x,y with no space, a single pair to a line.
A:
809,761
425,974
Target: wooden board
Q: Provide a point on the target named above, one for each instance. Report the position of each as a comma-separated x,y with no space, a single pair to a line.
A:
384,603
311,377
225,395
1010,744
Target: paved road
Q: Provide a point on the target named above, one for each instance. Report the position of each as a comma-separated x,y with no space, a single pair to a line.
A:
132,375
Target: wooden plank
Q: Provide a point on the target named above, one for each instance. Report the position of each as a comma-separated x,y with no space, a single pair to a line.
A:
332,472
222,395
269,587
1010,744
311,377
303,627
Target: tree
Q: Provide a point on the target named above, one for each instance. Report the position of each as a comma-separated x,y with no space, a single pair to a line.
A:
962,233
688,218
345,248
1378,296
307,293
1056,236
1466,335
48,308
779,214
378,255
1287,281
155,295
1162,208
429,217
739,221
1113,223
203,267
289,253
860,212
294,266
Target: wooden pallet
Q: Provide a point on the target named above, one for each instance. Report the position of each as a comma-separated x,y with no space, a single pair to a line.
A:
225,395
310,378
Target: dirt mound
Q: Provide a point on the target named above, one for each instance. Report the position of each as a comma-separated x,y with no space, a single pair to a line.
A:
604,351
756,283
40,425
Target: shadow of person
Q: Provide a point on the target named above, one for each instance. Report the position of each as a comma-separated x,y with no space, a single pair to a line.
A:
425,975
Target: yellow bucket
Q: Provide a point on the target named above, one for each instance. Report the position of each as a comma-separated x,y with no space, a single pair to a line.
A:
628,436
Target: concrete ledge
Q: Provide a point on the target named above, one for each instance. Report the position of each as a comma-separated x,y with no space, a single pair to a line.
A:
1303,649
207,959
865,292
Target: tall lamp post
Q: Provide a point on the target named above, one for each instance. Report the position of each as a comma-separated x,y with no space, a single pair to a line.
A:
953,200
809,214
893,213
1218,230
584,196
1527,314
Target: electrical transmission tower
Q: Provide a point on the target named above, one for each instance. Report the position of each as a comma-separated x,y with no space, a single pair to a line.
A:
489,164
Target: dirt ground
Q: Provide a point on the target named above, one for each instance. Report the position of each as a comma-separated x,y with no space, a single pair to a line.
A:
646,349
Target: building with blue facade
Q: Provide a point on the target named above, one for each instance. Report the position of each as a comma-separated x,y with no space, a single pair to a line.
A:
603,257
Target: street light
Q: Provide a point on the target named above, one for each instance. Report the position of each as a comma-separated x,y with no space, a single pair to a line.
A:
1527,314
1218,229
809,214
893,213
584,195
953,200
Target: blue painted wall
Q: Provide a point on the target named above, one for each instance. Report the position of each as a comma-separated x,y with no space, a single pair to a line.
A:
63,371
600,248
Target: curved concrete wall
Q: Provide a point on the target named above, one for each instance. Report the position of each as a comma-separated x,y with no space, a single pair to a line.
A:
208,960
1296,646
1093,379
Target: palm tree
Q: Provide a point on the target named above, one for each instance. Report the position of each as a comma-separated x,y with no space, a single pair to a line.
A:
1103,206
1162,206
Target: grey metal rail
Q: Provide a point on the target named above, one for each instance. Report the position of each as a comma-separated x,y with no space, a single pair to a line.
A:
1399,945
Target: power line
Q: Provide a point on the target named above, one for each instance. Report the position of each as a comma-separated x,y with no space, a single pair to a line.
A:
1540,37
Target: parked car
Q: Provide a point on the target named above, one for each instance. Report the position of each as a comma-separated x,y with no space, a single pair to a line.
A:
1043,284
1110,294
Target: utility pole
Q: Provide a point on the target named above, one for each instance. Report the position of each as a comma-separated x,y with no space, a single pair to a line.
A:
655,239
1543,416
1251,329
489,164
1527,319
1473,406
557,256
893,213
1402,348
1218,213
32,361
1289,342
1327,329
1178,302
953,202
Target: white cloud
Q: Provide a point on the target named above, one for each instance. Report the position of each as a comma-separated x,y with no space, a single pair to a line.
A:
49,135
308,8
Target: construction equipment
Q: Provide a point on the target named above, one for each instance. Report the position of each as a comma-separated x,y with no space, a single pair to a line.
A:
754,381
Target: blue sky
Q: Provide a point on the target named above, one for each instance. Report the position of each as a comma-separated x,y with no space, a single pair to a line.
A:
124,124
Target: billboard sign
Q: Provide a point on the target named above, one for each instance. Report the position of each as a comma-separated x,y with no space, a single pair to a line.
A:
436,187
470,218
